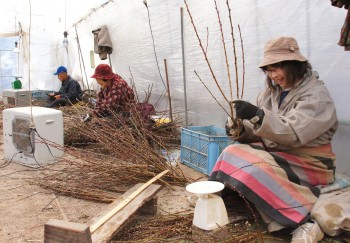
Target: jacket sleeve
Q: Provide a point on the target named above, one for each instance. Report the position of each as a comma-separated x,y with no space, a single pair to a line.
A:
72,90
102,105
311,116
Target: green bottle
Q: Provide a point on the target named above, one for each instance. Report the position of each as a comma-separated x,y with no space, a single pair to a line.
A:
17,84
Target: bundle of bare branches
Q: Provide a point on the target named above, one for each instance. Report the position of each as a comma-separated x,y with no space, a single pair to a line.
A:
157,229
178,228
109,155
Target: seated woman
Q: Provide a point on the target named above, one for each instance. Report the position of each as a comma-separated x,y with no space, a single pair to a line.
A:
115,95
284,154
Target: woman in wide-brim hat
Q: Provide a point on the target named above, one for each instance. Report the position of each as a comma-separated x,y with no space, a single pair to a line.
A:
115,95
291,127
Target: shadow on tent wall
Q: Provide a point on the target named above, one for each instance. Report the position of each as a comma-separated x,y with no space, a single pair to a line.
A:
341,145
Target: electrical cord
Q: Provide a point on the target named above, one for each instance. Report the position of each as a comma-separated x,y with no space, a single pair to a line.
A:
44,140
7,163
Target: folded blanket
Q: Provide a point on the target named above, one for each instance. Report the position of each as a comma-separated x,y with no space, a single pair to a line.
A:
340,182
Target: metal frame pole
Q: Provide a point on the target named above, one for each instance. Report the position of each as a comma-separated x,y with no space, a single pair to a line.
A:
183,63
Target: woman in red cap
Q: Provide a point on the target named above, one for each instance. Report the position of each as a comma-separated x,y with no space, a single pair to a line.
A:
284,155
115,95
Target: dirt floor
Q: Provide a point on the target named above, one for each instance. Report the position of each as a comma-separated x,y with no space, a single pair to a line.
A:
25,208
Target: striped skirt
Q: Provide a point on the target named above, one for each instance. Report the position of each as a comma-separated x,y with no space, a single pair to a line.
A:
282,185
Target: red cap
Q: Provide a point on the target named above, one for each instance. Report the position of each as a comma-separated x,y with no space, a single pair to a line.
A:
103,71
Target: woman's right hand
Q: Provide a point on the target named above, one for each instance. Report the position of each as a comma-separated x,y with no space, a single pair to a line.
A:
234,127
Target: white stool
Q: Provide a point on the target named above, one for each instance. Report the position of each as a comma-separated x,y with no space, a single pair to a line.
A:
210,211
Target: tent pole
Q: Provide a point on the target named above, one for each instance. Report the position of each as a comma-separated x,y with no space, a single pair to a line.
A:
82,59
183,63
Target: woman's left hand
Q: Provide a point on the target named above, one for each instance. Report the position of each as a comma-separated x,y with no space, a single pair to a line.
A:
244,110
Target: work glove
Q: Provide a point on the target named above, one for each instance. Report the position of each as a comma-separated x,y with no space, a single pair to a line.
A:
245,110
86,118
234,127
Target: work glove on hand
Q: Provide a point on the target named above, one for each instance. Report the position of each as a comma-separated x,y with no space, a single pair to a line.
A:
234,127
245,110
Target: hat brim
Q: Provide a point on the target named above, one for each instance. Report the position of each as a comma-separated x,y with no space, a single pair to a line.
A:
96,76
276,58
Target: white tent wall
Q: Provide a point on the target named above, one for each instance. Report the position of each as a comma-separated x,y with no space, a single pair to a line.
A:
315,24
133,54
42,23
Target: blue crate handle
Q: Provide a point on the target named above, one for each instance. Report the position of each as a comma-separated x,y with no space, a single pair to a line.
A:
212,156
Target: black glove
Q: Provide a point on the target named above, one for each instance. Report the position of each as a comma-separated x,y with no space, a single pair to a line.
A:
244,110
86,118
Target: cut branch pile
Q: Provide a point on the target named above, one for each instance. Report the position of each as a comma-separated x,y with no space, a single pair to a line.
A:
178,228
109,155
157,229
106,156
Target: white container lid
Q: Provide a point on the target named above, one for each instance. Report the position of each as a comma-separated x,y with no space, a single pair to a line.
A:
205,187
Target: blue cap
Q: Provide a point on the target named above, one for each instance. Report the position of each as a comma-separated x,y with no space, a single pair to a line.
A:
60,69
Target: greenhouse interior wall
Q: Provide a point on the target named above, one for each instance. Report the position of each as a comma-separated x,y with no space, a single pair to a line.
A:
145,35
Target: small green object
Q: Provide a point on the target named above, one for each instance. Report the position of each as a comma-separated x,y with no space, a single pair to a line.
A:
17,84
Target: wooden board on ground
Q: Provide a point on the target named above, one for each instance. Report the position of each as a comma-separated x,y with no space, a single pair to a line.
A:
108,229
72,232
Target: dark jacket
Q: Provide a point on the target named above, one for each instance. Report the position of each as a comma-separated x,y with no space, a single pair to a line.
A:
70,89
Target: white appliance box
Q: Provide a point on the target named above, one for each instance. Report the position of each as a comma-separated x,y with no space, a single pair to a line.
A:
34,148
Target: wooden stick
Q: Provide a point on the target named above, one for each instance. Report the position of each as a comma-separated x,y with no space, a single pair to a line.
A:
107,216
168,89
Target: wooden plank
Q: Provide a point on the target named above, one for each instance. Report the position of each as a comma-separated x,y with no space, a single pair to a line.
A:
60,231
150,207
103,219
117,220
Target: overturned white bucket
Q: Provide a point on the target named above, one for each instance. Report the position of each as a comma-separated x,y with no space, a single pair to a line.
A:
210,211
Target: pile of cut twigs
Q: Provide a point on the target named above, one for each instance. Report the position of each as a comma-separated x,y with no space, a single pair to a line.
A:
178,228
109,155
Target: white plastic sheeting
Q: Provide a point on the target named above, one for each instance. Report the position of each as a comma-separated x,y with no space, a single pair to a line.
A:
315,24
45,21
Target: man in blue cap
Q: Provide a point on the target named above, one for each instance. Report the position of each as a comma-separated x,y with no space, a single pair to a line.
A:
70,91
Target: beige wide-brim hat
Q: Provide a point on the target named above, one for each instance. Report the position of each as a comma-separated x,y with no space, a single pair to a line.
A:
281,49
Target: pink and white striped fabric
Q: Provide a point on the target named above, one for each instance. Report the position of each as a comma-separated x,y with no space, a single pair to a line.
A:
282,185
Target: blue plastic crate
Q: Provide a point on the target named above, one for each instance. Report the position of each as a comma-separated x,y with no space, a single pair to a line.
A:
201,146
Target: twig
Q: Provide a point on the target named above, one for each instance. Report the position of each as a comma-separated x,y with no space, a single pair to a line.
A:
234,47
243,61
211,93
205,54
206,47
225,52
